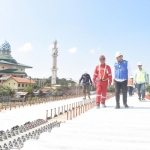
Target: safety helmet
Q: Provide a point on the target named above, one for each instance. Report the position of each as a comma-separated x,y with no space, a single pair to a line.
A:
131,77
84,71
118,54
139,64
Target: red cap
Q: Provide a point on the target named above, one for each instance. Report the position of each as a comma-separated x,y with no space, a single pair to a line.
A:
102,57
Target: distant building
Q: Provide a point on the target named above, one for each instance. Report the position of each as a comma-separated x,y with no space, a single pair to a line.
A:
40,82
148,78
54,62
18,84
8,65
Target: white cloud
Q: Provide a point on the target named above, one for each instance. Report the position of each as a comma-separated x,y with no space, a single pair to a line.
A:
25,48
92,51
73,50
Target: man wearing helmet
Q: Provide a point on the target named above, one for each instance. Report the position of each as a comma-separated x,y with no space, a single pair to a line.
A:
87,82
103,77
140,80
121,73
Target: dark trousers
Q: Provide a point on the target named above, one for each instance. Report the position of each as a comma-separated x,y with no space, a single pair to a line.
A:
86,89
130,90
118,87
141,87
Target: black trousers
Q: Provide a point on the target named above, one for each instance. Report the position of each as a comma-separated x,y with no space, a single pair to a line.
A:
118,87
130,90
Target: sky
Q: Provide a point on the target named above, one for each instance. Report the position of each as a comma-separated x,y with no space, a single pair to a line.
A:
84,29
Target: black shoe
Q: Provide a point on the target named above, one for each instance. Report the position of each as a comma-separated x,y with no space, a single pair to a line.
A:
103,105
126,106
139,99
117,107
97,106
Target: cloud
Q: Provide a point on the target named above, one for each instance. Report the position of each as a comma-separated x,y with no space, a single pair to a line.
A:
73,50
92,51
25,48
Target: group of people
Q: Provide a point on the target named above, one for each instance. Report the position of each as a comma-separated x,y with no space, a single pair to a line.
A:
123,80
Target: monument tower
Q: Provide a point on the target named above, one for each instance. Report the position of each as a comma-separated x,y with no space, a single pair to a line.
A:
54,63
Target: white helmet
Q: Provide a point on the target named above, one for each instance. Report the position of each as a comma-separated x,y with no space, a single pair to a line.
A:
139,64
118,54
131,77
84,71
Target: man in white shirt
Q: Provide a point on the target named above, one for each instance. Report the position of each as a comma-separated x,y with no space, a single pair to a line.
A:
121,73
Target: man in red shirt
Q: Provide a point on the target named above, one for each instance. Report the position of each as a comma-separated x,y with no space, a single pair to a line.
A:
103,76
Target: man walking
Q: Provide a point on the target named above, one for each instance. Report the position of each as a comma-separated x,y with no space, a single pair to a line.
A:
103,76
140,80
130,85
121,73
87,82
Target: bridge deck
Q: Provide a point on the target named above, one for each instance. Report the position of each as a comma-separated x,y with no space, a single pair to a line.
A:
103,129
19,116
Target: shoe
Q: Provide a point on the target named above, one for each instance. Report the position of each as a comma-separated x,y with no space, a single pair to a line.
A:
84,97
103,105
126,106
143,99
97,106
117,107
139,99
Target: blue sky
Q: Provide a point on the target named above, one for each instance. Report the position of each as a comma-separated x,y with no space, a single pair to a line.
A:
84,29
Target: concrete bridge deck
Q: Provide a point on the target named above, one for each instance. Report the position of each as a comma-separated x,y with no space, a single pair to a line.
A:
19,116
102,129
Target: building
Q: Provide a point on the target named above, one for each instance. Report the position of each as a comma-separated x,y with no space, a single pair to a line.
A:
40,82
148,78
18,84
54,67
8,65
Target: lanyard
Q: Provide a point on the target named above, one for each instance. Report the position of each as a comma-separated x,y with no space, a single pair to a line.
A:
102,78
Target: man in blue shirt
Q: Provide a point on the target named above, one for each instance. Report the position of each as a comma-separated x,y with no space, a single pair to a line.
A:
121,73
86,82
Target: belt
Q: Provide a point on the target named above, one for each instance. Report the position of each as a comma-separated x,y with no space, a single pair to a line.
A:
103,80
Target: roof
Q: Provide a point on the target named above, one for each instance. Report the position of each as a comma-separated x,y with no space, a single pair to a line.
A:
12,71
23,80
22,93
16,64
45,89
5,46
5,78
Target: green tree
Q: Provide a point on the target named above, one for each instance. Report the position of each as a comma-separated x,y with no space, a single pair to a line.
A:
148,89
35,86
10,91
29,89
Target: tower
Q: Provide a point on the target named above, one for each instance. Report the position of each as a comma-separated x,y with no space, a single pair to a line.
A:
54,62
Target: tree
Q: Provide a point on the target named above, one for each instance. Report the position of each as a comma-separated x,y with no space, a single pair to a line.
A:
29,89
10,91
35,86
58,88
6,91
148,89
48,82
